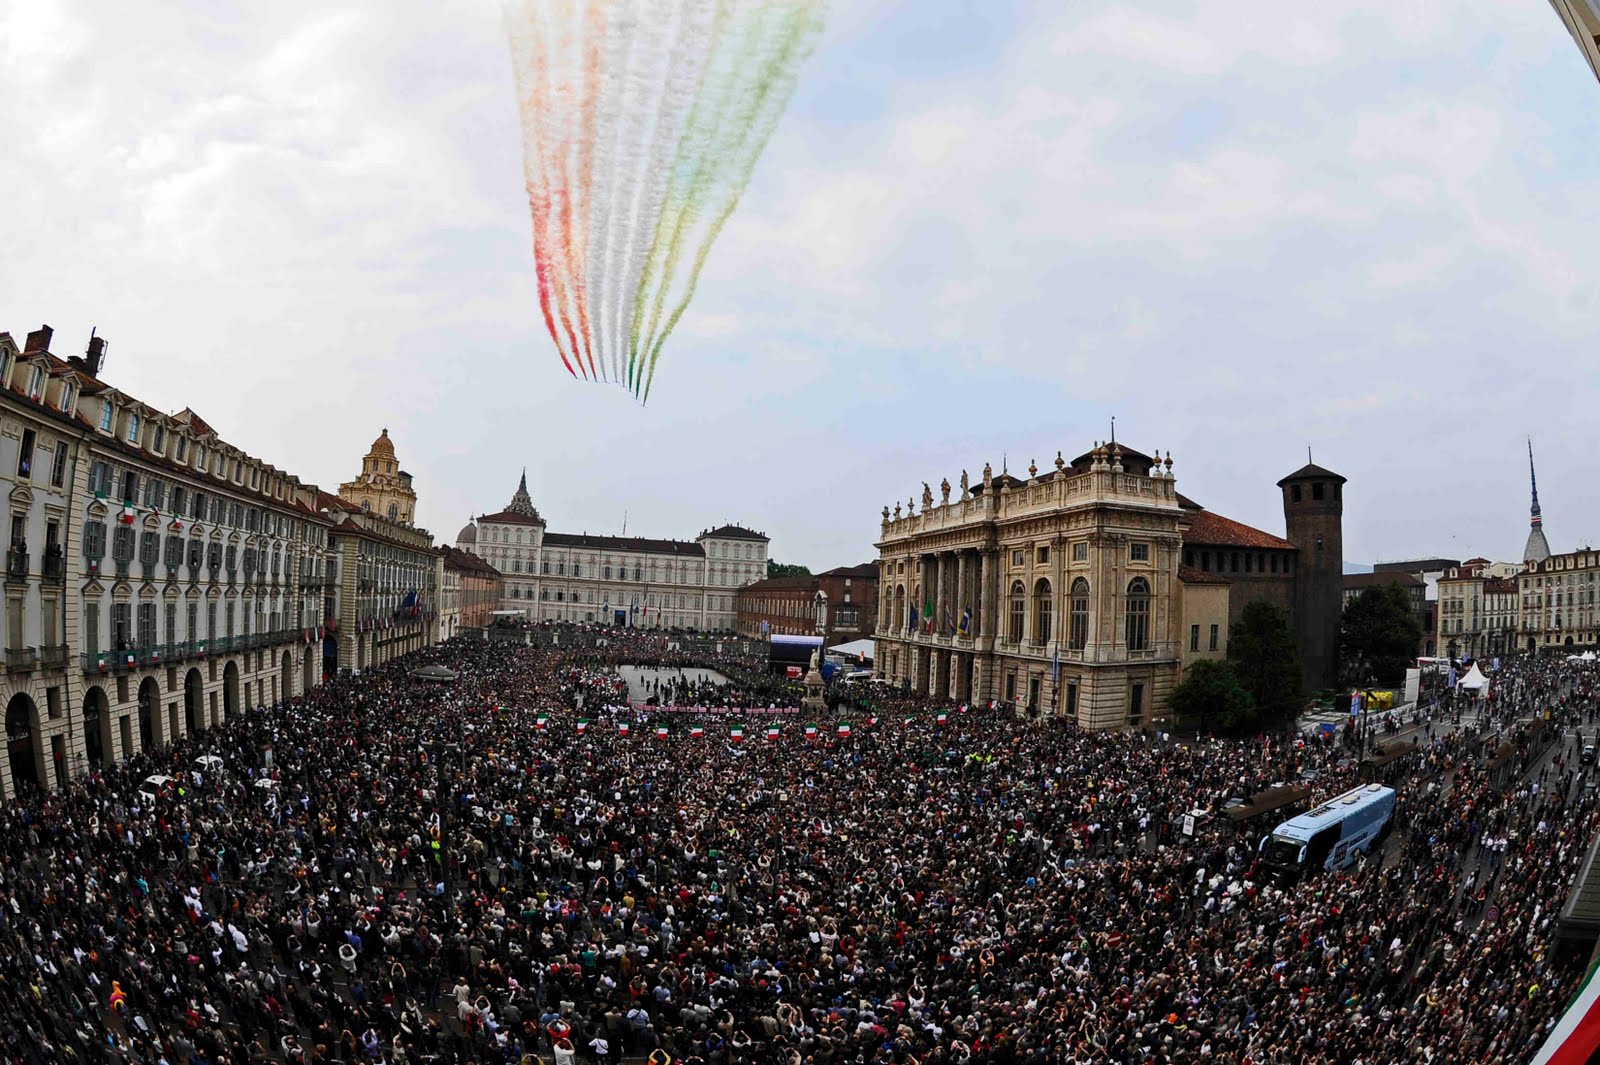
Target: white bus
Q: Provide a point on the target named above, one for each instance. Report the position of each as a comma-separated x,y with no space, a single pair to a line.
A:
1330,836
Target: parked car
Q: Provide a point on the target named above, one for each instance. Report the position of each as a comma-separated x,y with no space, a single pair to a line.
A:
1587,758
155,786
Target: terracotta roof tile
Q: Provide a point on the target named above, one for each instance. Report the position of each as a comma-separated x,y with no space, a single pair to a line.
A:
1212,529
1194,575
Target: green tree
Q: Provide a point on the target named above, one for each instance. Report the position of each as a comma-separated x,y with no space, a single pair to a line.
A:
1261,648
786,569
1210,696
1379,635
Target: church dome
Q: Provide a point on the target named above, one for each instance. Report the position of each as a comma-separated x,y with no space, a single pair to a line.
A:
468,534
382,446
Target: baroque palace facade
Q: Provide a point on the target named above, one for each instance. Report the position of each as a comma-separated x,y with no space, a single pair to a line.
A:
1085,591
616,580
159,579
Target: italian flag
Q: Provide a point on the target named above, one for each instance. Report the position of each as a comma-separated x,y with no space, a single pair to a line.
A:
811,732
583,723
661,732
772,732
1577,1035
129,658
963,708
991,704
541,721
100,661
872,721
622,728
736,734
908,721
696,731
943,717
844,728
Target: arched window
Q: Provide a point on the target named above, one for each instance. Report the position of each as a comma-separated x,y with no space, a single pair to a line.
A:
394,511
1138,627
1019,596
1078,622
1042,633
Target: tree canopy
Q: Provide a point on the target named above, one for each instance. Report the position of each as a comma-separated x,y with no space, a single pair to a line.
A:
1379,635
786,569
1210,697
1262,651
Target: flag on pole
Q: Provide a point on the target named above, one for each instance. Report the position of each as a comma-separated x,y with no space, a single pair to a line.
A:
911,617
541,721
736,734
943,717
908,721
583,723
1577,1035
661,732
772,732
811,732
622,728
966,620
962,709
927,612
844,728
1055,666
696,731
992,704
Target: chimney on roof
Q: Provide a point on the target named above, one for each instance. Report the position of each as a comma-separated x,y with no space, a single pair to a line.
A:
95,356
39,339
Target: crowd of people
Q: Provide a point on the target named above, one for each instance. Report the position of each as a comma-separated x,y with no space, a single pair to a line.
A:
387,870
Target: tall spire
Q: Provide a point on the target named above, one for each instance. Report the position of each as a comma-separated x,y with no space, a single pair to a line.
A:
1537,548
522,503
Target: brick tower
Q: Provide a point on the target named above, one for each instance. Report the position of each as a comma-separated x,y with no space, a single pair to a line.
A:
1313,515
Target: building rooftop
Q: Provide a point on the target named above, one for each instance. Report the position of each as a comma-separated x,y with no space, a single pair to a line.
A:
1211,529
733,532
866,569
641,544
1312,472
1195,575
1378,580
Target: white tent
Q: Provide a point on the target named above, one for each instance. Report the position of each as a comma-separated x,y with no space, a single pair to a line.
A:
854,649
1474,680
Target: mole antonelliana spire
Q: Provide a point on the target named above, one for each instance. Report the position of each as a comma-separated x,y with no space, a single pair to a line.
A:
1538,548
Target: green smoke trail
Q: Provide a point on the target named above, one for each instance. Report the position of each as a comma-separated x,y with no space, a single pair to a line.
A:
765,51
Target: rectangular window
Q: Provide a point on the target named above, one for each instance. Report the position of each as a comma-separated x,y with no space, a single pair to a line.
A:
1072,699
1194,637
147,625
171,633
1044,555
121,626
58,467
122,544
100,479
1139,552
94,540
130,486
149,549
1080,551
1019,558
1213,637
174,552
91,628
1136,705
25,454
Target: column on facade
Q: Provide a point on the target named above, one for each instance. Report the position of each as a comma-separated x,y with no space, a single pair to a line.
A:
941,602
963,592
986,605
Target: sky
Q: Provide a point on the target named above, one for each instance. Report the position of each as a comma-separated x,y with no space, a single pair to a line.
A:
983,230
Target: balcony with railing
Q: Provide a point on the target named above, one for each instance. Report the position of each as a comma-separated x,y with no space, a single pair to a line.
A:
16,564
21,659
54,656
54,564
